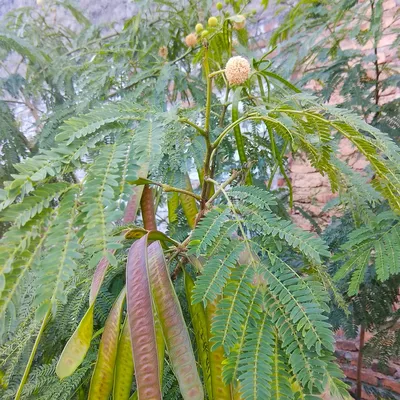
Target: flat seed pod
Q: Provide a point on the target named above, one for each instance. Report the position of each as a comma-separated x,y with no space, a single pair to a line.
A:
141,323
199,322
78,345
217,357
103,375
124,370
189,204
175,332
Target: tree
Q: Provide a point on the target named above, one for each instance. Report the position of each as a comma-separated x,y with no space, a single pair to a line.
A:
138,113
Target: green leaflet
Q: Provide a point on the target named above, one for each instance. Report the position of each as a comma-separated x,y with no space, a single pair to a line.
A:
141,322
189,204
103,375
22,212
199,322
175,332
124,369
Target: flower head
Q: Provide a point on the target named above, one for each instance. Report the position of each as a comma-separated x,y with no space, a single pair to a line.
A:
237,70
212,21
199,27
239,22
191,40
163,52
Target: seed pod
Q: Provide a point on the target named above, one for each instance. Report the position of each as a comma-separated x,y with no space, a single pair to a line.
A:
173,203
175,332
189,204
141,322
217,358
124,370
238,133
103,375
148,212
78,345
199,322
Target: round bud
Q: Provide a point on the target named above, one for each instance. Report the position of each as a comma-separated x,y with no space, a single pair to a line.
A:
237,70
163,52
212,21
204,34
199,27
219,6
191,40
239,21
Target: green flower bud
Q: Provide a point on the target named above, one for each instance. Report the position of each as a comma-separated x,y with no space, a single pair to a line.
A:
219,6
204,34
212,21
199,27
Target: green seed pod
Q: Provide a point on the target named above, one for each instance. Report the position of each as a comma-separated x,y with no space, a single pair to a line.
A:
188,202
124,370
103,375
200,328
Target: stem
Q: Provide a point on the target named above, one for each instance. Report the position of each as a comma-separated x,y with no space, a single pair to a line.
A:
359,363
192,124
209,92
224,107
168,188
32,356
222,186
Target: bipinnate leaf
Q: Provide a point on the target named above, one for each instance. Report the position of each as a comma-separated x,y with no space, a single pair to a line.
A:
141,322
103,375
124,369
176,335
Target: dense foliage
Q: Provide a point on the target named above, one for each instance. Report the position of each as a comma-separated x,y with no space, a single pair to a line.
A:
355,67
225,297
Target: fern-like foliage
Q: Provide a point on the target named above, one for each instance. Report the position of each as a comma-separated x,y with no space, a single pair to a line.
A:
259,287
372,249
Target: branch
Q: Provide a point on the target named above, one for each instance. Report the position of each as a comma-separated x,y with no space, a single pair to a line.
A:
221,187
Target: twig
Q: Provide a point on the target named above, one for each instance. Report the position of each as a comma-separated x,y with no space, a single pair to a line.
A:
221,187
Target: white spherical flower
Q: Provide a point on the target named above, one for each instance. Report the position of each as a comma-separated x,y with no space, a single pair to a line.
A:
237,70
191,40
